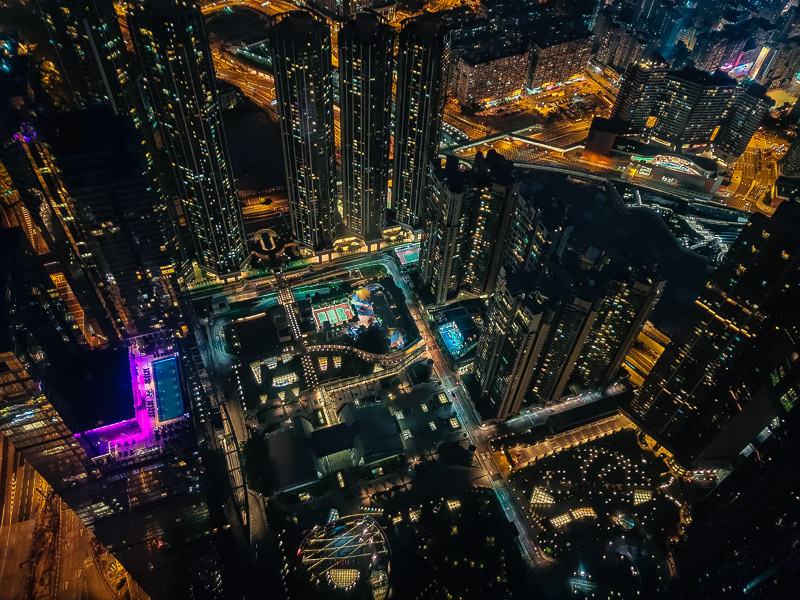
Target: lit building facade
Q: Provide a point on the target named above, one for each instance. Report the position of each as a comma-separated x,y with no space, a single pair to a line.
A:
638,89
571,324
494,197
131,492
621,315
534,236
558,60
90,51
172,51
782,63
690,108
620,46
444,235
589,320
301,58
118,216
692,402
54,228
481,78
422,66
468,212
746,114
714,50
365,95
510,343
745,523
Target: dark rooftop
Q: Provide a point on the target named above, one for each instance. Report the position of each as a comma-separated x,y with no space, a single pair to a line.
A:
489,47
692,75
301,24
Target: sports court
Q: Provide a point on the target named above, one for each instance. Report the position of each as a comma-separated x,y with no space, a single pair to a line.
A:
334,314
408,255
168,389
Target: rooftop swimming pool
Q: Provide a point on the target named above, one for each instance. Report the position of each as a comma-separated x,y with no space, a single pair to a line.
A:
168,388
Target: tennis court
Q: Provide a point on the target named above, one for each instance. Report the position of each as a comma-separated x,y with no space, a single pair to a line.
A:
335,314
408,255
168,388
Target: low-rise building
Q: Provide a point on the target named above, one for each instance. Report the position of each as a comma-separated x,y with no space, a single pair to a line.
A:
366,436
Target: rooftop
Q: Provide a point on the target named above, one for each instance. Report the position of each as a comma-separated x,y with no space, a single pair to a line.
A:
489,47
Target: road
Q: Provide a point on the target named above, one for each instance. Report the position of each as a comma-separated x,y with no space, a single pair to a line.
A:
269,8
80,574
471,422
259,86
19,504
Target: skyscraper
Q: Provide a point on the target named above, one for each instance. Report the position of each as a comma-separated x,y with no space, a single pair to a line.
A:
714,50
623,310
782,63
690,107
119,216
90,51
365,96
495,192
536,233
638,90
444,234
172,51
790,163
31,510
574,302
467,213
692,402
54,228
592,308
512,338
421,92
124,460
301,59
747,112
744,530
621,46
